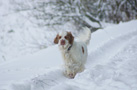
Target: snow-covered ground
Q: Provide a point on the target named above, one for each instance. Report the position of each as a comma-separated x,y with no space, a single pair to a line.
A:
111,65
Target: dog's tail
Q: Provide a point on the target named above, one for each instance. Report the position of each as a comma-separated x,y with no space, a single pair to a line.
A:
85,35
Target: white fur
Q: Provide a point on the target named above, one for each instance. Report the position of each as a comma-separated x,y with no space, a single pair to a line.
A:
74,59
84,36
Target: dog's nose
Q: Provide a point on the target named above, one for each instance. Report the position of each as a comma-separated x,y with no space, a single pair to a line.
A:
62,42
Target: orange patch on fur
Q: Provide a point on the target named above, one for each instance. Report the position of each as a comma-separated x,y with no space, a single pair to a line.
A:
83,50
69,37
56,39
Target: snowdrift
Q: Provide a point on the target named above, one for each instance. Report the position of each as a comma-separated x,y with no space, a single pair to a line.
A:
111,65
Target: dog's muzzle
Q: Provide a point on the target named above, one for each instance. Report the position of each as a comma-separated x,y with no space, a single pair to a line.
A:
62,42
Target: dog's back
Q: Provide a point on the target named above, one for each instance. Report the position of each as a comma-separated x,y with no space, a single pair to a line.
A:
79,49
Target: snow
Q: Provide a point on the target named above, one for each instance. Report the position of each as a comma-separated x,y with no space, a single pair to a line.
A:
111,65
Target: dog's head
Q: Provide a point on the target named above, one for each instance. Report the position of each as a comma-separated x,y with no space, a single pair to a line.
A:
64,39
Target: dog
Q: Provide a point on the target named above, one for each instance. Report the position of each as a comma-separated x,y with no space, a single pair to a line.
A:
74,52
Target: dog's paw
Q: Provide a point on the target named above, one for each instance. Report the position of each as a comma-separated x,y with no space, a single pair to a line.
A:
71,75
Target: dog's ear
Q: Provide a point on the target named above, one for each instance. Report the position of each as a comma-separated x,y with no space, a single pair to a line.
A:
71,38
56,40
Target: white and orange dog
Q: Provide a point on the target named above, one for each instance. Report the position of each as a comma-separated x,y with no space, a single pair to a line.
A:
74,52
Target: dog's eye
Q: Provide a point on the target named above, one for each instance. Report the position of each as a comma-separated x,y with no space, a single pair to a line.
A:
66,37
59,37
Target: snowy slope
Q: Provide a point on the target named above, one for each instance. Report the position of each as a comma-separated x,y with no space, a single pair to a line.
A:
111,65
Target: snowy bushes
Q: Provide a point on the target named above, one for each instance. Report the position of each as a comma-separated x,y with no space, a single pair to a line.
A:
117,10
58,12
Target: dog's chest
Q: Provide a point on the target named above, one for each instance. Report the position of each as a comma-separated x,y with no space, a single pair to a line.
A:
75,55
67,57
71,57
